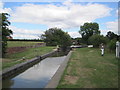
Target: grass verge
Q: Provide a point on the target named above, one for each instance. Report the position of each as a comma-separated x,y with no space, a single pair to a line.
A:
88,69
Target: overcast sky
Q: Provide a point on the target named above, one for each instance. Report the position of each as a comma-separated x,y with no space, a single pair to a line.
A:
31,19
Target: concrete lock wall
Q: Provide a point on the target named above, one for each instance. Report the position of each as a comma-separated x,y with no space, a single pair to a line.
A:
118,49
23,66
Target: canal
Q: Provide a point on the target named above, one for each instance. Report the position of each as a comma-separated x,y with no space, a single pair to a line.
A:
36,76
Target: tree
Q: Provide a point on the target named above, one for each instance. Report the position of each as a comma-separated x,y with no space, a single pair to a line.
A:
55,36
5,31
89,29
110,35
96,40
118,38
112,45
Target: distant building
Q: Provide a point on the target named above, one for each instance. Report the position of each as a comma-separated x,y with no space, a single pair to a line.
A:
9,37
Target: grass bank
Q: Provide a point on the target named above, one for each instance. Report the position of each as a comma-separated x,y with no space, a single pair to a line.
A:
88,69
21,43
16,58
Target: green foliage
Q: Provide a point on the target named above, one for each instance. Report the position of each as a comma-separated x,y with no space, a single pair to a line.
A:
89,29
5,31
112,45
110,35
113,38
55,36
96,40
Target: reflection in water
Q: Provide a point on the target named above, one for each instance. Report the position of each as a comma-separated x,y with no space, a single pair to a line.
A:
37,76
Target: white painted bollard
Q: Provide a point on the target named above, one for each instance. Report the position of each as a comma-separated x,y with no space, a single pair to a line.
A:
118,49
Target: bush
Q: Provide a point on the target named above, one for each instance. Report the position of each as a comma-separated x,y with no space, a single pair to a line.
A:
96,40
56,36
112,45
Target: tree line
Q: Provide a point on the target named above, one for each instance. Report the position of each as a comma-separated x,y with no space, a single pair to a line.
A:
32,40
91,35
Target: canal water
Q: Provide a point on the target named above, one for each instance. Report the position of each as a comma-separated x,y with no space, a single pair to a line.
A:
37,76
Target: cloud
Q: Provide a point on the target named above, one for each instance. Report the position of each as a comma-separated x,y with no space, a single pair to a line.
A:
74,34
4,10
112,26
25,33
19,33
66,15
